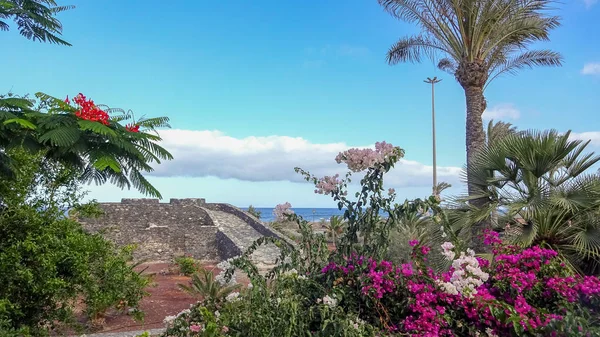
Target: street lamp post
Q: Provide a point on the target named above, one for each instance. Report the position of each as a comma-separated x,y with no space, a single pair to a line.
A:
433,81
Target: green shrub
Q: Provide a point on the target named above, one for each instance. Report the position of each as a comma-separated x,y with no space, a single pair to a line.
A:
187,265
48,262
254,212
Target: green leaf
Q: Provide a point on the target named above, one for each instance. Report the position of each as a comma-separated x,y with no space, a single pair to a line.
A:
104,162
22,122
61,137
97,127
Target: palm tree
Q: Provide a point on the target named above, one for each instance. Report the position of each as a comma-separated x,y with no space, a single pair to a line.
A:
35,19
540,180
478,40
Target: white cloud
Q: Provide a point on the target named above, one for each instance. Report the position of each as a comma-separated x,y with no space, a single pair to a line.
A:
593,136
592,68
502,111
273,158
589,3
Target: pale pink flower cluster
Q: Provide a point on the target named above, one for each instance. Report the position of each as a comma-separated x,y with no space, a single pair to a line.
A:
281,211
328,184
467,275
447,250
362,159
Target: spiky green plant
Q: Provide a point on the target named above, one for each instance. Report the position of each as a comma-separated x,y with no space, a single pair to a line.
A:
476,41
203,285
35,19
335,228
100,153
540,182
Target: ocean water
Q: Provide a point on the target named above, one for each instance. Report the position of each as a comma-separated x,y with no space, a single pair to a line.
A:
310,214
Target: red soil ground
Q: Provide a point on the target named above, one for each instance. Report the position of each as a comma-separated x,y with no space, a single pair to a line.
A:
165,299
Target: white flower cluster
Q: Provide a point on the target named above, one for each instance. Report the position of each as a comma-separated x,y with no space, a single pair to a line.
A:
183,312
291,272
233,297
169,319
328,301
224,266
357,324
467,275
488,332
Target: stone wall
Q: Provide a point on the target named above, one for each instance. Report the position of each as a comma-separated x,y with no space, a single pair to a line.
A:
258,226
161,230
226,248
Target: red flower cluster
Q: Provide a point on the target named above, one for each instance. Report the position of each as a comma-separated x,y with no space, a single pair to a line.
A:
132,127
88,110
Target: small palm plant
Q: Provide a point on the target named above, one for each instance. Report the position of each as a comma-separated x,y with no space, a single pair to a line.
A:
203,285
540,182
335,228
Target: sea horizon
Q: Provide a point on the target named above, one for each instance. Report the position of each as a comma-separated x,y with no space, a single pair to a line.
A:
308,213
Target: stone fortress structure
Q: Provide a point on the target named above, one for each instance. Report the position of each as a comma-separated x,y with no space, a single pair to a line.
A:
161,231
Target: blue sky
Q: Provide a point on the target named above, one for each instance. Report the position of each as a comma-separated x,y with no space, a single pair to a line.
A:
256,88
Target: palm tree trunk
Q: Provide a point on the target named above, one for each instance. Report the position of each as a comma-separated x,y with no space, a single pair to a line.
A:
475,140
474,127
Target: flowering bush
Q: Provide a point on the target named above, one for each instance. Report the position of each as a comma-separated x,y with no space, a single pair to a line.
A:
282,211
355,292
88,110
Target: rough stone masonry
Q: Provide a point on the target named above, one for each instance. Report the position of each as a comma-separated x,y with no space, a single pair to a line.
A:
161,231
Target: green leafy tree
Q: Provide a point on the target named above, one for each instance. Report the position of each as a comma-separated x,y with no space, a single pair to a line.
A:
35,19
99,152
47,260
477,40
540,182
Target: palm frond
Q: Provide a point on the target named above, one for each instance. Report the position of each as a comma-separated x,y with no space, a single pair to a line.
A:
447,65
490,34
412,49
528,59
